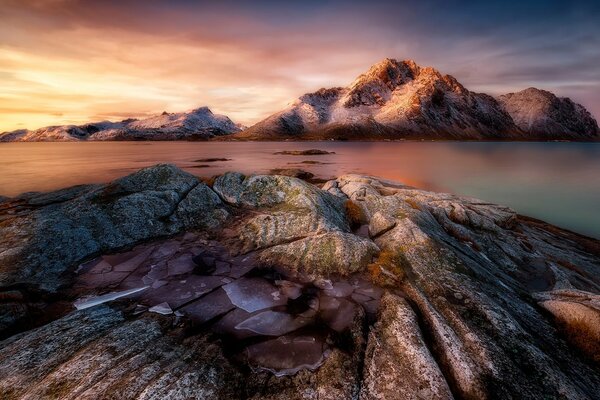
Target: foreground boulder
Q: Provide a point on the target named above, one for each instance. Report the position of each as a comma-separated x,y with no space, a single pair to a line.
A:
43,235
265,287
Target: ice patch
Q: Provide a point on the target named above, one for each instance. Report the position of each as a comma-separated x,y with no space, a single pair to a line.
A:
84,303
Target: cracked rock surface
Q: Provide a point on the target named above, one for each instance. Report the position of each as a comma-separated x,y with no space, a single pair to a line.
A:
158,286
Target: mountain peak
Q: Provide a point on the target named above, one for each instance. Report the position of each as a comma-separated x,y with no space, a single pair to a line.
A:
375,85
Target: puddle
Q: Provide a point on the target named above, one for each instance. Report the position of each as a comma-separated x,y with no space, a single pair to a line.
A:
266,319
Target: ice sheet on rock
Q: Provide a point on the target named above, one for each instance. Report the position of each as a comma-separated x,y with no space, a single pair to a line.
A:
129,261
179,292
323,284
371,307
180,265
253,294
167,249
157,271
162,308
102,275
223,268
273,323
338,313
82,304
287,355
339,289
208,307
241,265
289,289
360,298
366,288
226,325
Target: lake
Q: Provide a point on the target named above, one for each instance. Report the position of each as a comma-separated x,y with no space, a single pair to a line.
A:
555,182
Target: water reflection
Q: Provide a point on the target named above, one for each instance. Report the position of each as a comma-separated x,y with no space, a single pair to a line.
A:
557,182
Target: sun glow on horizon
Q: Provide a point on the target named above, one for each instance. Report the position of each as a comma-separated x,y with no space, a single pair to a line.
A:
70,61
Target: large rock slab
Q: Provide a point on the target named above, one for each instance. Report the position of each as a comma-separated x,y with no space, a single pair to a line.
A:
472,270
398,364
43,235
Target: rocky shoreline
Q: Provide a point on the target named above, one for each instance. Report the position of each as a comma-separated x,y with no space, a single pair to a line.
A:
270,287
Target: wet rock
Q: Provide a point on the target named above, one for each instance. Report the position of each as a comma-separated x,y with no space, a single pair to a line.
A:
398,364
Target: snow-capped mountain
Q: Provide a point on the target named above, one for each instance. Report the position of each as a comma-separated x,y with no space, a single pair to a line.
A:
395,99
200,123
540,113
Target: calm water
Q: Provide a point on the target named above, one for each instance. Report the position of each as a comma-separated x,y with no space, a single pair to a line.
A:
556,182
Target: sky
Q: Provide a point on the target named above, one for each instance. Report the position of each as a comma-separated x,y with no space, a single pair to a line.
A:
76,61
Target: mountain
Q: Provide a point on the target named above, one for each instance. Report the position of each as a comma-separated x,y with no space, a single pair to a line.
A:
399,99
200,123
540,113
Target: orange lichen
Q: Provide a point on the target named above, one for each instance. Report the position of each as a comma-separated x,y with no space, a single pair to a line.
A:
355,213
388,268
413,203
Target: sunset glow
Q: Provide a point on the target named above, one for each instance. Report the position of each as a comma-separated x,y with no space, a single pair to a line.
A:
69,61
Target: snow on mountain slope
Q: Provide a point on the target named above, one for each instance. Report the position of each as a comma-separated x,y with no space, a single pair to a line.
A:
392,100
540,113
200,123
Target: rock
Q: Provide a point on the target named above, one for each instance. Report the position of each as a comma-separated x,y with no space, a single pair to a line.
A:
380,223
200,123
398,364
97,353
293,172
542,115
56,234
448,245
215,159
477,301
325,254
286,209
578,315
311,152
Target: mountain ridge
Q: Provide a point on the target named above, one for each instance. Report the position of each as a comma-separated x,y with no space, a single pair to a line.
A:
401,100
199,123
392,100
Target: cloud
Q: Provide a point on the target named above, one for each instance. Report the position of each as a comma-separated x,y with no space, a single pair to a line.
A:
86,59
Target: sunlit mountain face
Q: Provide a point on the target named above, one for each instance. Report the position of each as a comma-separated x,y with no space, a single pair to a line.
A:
71,62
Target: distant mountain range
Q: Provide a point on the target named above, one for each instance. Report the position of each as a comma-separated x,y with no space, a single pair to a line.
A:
392,100
200,123
398,99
